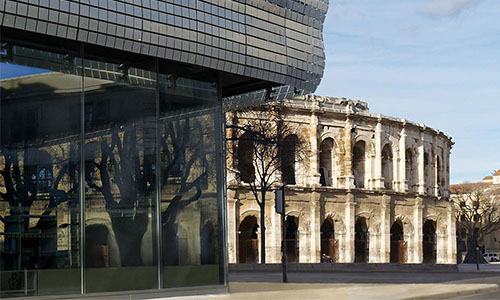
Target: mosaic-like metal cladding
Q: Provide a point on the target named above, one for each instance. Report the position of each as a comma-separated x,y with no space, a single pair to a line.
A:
278,41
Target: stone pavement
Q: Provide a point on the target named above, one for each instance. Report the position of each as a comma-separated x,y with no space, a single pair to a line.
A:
273,290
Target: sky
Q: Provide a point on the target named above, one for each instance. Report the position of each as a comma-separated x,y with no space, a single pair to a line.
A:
435,62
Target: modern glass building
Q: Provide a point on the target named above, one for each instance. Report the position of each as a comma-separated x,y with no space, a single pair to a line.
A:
112,175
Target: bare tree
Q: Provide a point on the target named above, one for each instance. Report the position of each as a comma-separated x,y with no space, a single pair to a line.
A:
478,214
264,154
184,151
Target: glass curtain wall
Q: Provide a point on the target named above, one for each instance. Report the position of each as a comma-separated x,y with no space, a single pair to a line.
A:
40,172
110,175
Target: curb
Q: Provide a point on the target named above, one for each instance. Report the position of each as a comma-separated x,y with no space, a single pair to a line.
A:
486,288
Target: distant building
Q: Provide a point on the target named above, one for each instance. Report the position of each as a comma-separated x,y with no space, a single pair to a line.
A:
373,189
493,179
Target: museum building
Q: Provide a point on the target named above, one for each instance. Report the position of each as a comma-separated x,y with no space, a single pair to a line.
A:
112,162
366,188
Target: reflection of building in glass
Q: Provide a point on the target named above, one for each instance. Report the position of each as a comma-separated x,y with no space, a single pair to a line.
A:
368,188
111,155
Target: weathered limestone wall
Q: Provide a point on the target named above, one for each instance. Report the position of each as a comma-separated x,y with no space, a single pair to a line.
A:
402,176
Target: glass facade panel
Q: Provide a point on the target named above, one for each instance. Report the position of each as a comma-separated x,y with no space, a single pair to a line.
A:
120,143
189,210
110,174
39,173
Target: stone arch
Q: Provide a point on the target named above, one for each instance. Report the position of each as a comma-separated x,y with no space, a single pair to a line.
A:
292,238
208,243
110,253
411,168
248,239
361,241
329,246
245,155
288,158
398,244
429,241
359,163
387,166
327,163
428,171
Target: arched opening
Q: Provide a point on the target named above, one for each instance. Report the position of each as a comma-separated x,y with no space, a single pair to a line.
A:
360,241
358,164
387,168
288,159
326,162
411,170
248,240
328,242
292,240
245,158
428,172
398,244
96,246
429,242
208,245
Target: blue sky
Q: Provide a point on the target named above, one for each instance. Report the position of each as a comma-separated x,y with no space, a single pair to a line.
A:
430,61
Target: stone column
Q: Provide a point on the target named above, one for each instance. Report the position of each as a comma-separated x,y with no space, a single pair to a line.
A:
378,179
403,182
315,240
314,175
349,177
421,165
350,219
436,170
274,242
232,224
452,231
418,254
446,173
385,229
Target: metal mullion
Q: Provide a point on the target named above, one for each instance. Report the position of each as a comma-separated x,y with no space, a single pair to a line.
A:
82,176
159,241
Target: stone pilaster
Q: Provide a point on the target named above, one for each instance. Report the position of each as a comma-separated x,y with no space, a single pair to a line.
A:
452,230
315,240
418,254
435,189
232,221
349,177
350,219
378,179
314,175
421,165
385,228
403,182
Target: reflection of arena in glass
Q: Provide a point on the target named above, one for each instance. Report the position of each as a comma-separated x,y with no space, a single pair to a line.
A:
371,188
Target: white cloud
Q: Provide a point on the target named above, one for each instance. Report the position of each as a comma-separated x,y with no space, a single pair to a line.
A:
446,8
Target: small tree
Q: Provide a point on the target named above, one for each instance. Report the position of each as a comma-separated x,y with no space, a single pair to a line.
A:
265,154
478,214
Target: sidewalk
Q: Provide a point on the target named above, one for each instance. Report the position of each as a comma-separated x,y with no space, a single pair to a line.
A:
266,290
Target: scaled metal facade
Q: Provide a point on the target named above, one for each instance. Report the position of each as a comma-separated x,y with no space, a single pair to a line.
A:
278,41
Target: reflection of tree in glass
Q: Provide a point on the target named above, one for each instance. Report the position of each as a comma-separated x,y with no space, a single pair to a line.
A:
123,164
183,149
27,177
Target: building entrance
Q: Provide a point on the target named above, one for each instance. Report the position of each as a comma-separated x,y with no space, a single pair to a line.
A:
248,241
361,241
398,244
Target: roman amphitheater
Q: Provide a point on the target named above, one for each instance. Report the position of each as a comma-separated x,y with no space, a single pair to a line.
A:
371,189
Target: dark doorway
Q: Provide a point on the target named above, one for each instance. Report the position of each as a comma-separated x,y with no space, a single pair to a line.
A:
208,245
398,244
292,241
96,246
361,241
328,242
429,242
248,241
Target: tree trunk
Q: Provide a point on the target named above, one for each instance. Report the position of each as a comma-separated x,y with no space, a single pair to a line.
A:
472,254
128,234
263,227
